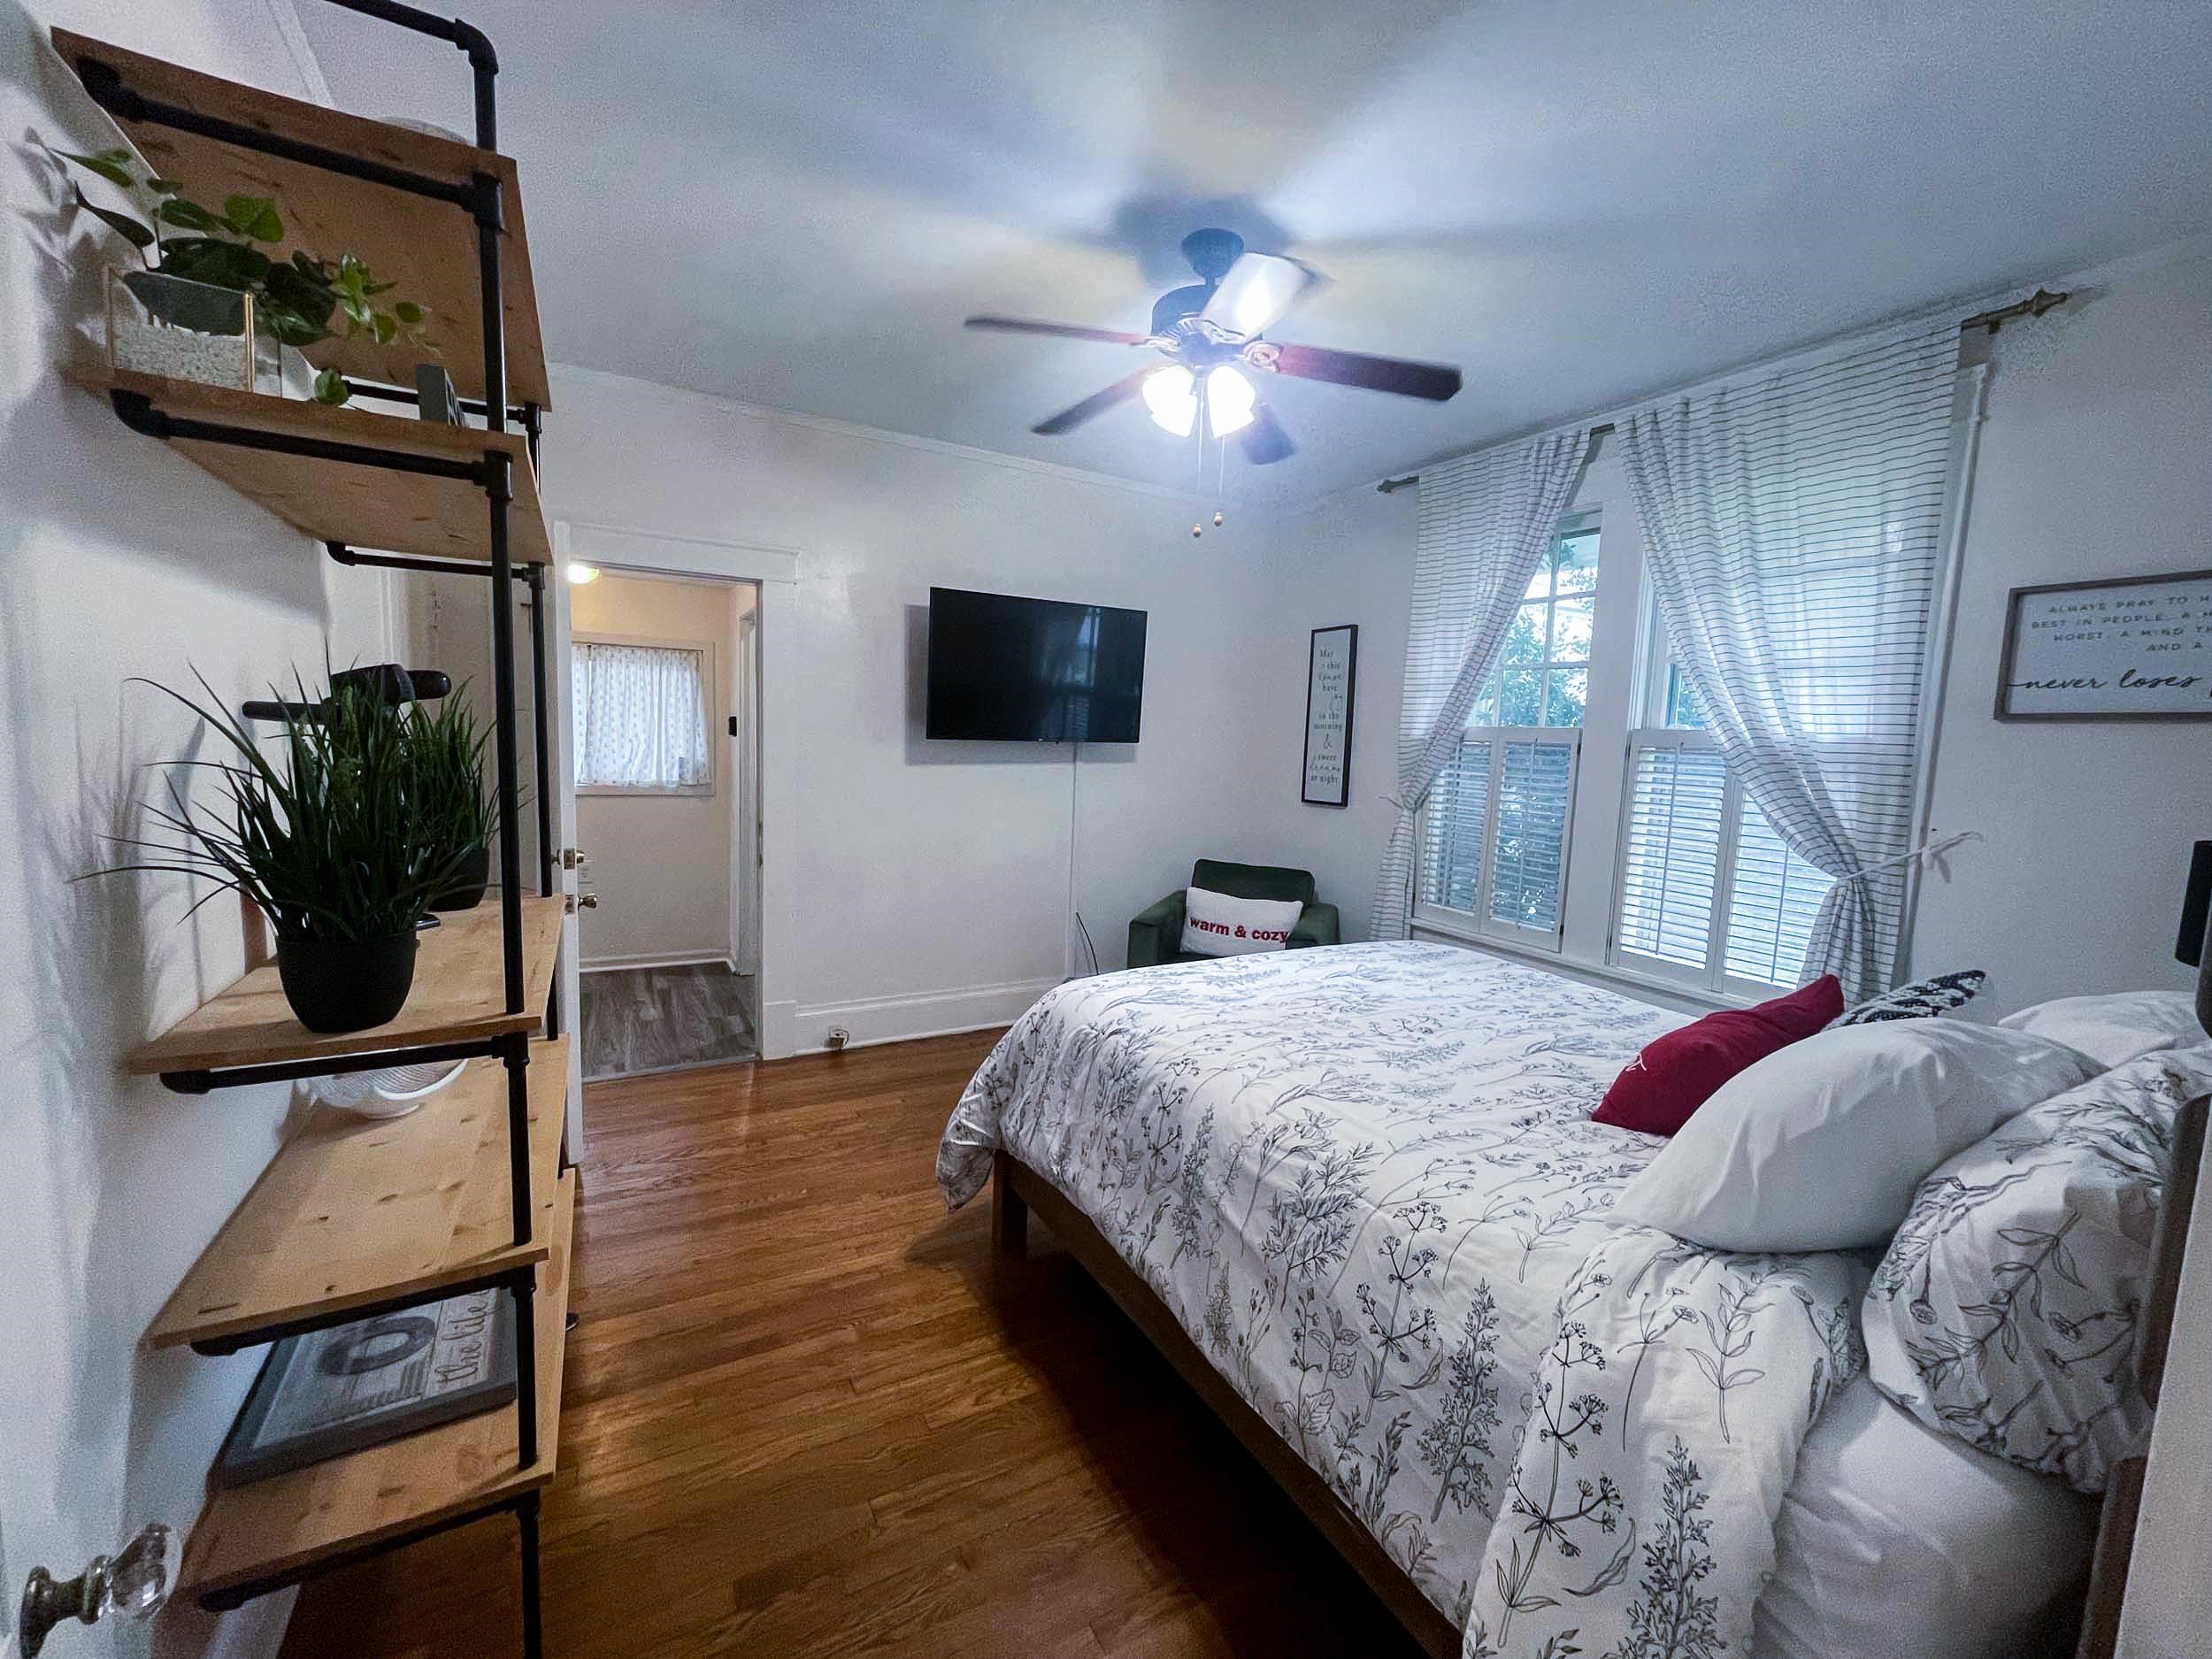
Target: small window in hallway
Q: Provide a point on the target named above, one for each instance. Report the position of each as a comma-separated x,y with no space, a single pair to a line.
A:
640,718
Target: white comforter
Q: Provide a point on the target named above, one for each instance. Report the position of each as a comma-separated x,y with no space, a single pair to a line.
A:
1364,1179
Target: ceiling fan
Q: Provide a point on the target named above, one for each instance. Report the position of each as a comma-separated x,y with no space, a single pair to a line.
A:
1211,333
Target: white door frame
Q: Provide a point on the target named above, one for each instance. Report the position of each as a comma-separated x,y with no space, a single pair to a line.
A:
744,751
776,570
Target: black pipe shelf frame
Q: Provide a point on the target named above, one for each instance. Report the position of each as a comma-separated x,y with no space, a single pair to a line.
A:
481,196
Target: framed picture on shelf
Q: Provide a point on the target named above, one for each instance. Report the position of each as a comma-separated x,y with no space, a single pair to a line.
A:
1332,664
2132,648
329,1393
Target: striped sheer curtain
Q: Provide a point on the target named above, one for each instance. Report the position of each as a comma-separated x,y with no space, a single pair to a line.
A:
1792,528
1486,520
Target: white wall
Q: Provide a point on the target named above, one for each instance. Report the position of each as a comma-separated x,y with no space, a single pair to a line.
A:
660,864
117,558
1349,559
933,877
2096,460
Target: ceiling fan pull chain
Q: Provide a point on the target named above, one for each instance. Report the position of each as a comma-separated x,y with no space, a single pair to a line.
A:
1198,434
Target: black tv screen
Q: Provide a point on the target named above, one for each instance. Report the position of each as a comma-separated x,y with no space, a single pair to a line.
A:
1033,670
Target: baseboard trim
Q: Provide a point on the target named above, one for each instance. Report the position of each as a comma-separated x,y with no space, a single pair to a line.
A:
665,959
875,1019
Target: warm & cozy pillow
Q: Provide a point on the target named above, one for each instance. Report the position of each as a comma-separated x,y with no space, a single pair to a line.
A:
1220,924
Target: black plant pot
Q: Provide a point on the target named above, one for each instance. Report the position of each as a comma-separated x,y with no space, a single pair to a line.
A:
346,984
469,883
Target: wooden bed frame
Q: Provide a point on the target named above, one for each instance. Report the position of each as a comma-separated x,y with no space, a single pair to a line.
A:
1016,1190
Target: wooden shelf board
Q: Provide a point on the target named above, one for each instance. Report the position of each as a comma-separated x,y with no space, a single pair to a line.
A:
341,500
285,1527
460,995
353,1211
427,247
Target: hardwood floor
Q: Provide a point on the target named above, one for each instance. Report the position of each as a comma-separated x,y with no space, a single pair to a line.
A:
808,1414
655,1019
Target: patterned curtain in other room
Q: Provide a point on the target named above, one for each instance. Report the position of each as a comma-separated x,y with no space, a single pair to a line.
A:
640,717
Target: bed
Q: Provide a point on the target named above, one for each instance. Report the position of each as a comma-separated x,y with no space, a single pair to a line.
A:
1355,1195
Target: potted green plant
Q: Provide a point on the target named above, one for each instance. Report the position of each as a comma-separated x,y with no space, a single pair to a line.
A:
197,262
325,841
454,815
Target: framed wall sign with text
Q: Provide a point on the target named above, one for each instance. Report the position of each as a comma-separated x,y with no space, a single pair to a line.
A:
1331,658
2136,648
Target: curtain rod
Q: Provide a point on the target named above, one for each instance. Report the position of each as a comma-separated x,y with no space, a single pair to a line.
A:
2042,300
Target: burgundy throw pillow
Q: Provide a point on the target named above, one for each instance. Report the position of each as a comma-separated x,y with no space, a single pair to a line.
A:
1677,1073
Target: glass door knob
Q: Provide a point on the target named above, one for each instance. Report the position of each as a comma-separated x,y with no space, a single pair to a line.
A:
132,1583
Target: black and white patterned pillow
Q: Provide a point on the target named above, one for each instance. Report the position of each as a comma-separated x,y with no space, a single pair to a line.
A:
2007,1308
1923,999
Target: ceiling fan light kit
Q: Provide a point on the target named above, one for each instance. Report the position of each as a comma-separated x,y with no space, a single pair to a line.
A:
1211,333
1171,394
1230,401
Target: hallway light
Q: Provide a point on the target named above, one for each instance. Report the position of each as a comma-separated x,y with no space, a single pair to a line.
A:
579,573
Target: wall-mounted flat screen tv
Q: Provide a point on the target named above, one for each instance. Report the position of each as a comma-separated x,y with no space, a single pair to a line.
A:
1033,670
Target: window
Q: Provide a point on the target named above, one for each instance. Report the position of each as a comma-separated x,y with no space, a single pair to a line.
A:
1706,891
642,717
1494,829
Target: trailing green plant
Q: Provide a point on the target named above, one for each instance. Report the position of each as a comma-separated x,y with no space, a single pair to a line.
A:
299,301
445,759
328,843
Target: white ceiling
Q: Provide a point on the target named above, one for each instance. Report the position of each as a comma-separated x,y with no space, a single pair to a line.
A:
1576,200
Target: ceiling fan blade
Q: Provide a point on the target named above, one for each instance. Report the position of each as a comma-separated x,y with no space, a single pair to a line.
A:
1259,289
1065,331
1097,404
1436,381
1266,442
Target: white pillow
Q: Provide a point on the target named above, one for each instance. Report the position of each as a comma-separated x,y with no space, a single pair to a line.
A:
1215,925
1821,1145
2115,1029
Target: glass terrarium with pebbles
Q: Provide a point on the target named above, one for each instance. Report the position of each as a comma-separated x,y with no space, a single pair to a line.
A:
165,325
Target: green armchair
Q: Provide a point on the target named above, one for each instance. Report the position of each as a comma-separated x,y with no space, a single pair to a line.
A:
1156,936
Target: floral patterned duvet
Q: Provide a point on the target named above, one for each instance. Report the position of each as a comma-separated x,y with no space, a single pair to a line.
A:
1365,1180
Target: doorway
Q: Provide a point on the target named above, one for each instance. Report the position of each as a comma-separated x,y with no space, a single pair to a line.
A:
664,759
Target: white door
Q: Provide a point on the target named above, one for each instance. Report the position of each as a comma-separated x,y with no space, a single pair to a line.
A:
745,799
563,773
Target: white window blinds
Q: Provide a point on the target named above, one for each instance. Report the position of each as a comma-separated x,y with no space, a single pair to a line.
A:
1456,827
1535,800
1493,840
1772,903
1708,892
1670,863
640,717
